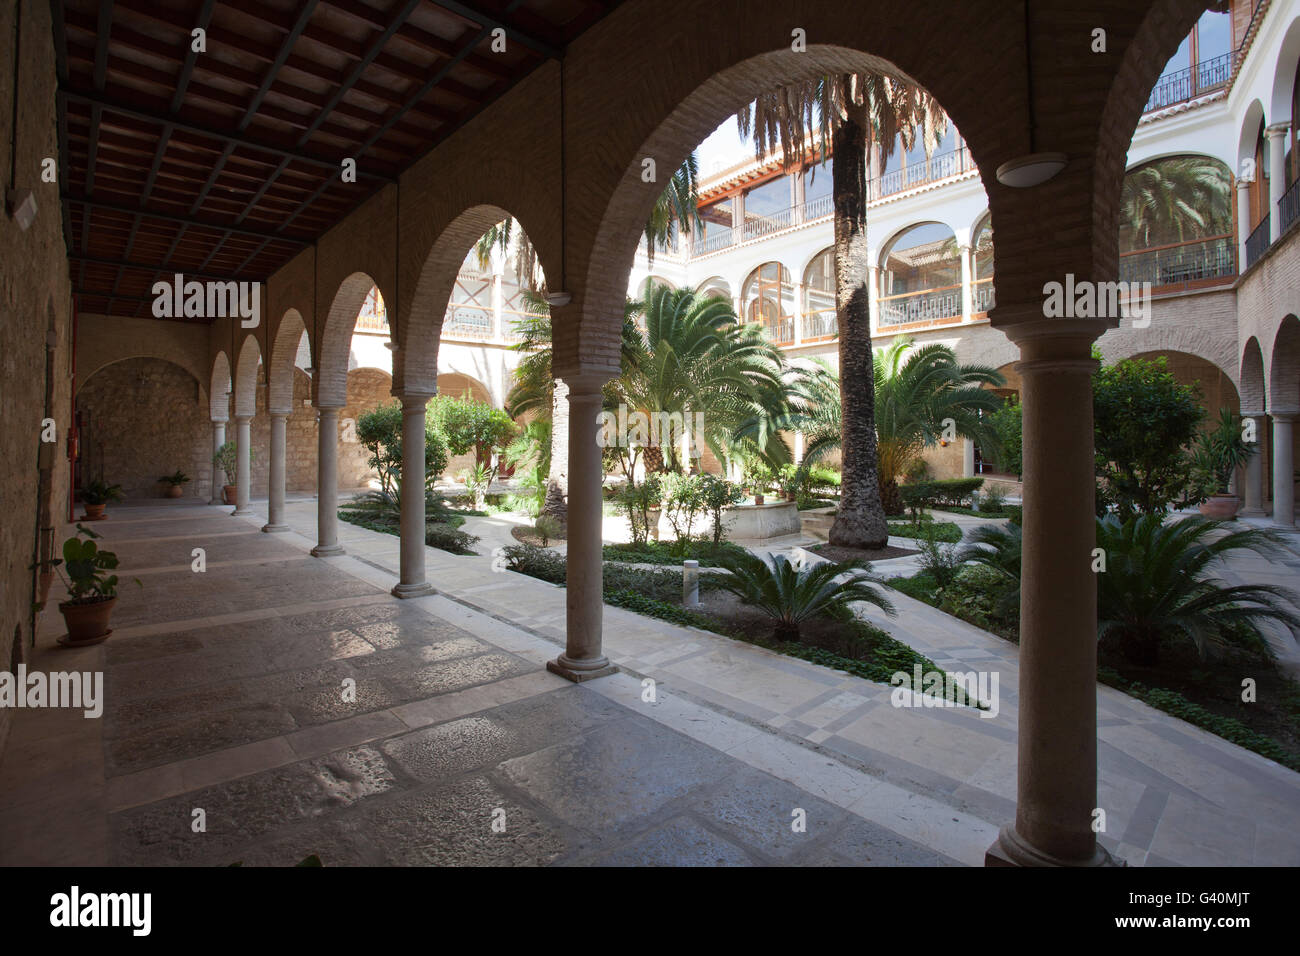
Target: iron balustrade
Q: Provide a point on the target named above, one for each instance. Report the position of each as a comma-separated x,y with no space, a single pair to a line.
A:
818,208
762,225
1288,208
1190,82
928,305
719,240
1258,242
938,166
780,330
1180,263
473,322
981,294
819,325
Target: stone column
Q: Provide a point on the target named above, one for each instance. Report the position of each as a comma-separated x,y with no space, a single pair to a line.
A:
327,483
1056,789
275,495
873,296
967,289
967,458
413,583
243,440
1283,469
1253,492
1276,136
218,476
1243,222
583,658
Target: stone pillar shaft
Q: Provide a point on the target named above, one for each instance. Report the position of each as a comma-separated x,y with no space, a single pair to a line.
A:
275,494
243,460
1243,222
412,583
1056,789
327,484
1276,136
1283,470
583,657
218,476
1253,481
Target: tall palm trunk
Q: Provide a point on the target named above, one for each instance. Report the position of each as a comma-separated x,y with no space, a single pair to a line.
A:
860,520
557,481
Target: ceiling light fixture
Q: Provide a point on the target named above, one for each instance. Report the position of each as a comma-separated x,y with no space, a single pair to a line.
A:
1034,168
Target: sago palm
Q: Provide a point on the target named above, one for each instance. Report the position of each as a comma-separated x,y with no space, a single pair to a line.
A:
853,113
1159,583
794,595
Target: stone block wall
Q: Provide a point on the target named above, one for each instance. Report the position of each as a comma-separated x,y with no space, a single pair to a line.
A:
35,331
142,418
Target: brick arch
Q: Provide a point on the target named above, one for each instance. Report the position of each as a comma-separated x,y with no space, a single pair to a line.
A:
280,368
218,394
1163,26
250,357
1284,367
415,363
1252,377
330,381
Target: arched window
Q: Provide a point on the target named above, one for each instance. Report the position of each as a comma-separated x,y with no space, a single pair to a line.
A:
819,297
1176,222
920,276
768,299
982,267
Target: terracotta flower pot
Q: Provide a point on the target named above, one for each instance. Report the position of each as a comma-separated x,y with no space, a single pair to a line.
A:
758,499
1220,507
94,513
175,491
87,623
230,491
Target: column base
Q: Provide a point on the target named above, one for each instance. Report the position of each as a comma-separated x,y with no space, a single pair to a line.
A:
1010,849
579,671
412,590
327,550
238,512
274,528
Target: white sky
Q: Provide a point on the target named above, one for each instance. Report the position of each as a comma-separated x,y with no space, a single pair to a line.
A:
723,148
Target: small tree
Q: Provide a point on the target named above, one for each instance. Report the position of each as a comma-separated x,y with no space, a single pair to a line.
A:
684,501
1144,421
636,500
717,494
380,431
472,426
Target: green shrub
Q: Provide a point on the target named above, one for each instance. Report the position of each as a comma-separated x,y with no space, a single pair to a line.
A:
716,495
636,500
548,527
380,433
980,595
947,491
444,536
993,501
939,562
946,531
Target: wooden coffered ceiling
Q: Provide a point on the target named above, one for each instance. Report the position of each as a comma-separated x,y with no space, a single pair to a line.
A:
224,163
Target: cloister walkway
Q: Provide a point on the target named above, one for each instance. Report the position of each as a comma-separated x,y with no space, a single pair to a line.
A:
223,694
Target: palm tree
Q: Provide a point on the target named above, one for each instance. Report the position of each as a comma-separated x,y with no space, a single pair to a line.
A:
792,596
676,208
693,357
919,394
854,113
1174,200
1158,583
921,398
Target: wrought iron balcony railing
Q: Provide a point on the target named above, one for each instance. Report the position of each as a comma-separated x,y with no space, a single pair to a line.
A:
819,326
1182,263
929,305
1191,82
1257,243
1288,208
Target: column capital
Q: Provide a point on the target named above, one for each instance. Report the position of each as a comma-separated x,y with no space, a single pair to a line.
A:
415,401
220,421
1042,338
1277,129
279,414
243,419
1243,183
328,408
1254,414
586,383
1285,415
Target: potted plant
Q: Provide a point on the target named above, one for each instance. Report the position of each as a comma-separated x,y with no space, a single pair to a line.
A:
1220,452
175,483
96,497
760,476
226,458
787,481
91,593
